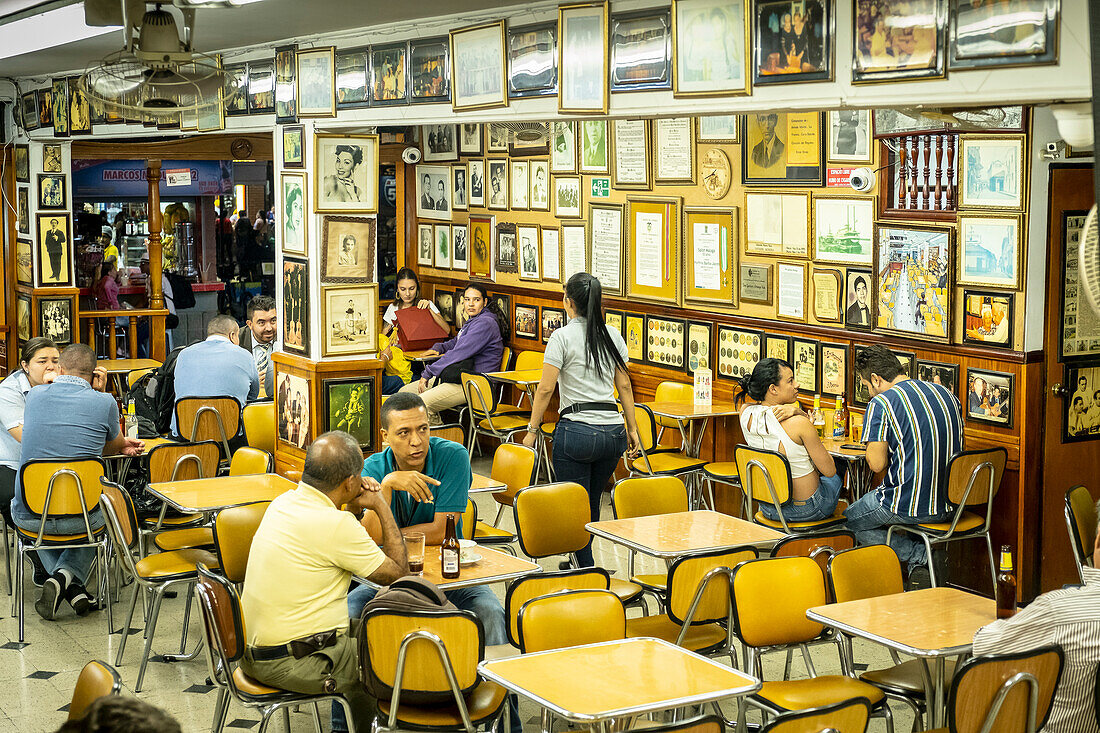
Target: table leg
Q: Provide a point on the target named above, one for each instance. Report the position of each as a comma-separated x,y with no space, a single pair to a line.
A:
938,712
860,478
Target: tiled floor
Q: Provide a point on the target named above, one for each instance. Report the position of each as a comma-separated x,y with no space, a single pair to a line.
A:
37,677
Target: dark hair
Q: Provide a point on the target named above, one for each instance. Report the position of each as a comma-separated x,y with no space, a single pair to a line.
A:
331,459
109,265
491,306
222,324
859,279
354,151
118,714
78,359
587,295
877,359
766,373
399,402
405,273
295,194
33,346
259,303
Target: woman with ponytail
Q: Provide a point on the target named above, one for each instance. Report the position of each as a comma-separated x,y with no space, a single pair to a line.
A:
587,361
773,424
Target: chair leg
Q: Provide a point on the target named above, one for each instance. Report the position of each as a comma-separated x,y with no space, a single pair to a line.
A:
992,563
7,558
125,631
286,719
150,630
889,716
343,702
220,708
317,718
931,565
500,513
19,600
186,617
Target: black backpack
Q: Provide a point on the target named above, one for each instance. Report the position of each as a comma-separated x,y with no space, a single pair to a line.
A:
183,296
154,396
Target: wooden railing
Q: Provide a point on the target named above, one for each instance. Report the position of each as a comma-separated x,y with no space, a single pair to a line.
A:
86,325
922,175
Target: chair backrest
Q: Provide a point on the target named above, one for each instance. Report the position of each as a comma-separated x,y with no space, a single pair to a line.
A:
762,472
550,519
183,461
259,425
672,392
849,716
122,507
685,585
702,724
208,418
864,572
134,375
1081,522
452,432
647,427
222,622
514,466
248,460
505,358
974,476
528,360
531,586
469,520
234,529
385,630
570,618
643,496
96,680
1007,689
771,597
61,486
819,547
479,395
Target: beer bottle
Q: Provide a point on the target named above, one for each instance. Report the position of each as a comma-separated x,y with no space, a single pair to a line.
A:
449,551
840,419
818,418
1006,585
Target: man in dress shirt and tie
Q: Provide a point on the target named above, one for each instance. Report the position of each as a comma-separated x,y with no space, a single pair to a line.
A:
770,150
427,203
259,338
858,313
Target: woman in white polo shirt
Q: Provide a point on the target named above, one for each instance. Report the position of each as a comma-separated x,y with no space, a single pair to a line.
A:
587,361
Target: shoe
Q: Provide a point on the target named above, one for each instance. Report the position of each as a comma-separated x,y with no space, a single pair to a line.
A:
79,598
565,565
919,578
49,601
38,572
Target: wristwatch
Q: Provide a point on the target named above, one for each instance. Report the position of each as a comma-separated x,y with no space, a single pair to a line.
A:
532,428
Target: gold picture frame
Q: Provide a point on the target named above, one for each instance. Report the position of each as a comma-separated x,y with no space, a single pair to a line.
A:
688,78
720,224
658,217
316,79
578,93
464,95
335,186
349,320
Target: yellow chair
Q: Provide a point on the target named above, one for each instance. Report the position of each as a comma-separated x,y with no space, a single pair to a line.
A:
155,573
973,479
1081,524
134,375
180,462
259,425
469,519
655,460
550,520
766,477
234,529
570,618
770,600
527,360
701,724
514,466
545,583
248,460
844,717
646,496
96,680
451,431
209,418
485,419
224,633
722,472
673,392
62,488
415,654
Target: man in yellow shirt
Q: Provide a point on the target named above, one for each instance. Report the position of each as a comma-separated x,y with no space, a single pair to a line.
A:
398,370
303,557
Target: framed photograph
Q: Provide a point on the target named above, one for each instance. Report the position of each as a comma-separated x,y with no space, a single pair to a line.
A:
607,239
55,319
425,245
635,337
826,296
295,234
1022,33
296,306
991,253
476,176
459,190
615,320
60,93
22,165
583,57
857,300
236,102
992,172
665,342
429,62
710,255
552,320
529,254
540,185
905,41
24,262
439,143
349,406
782,149
498,136
45,109
433,195
443,246
777,224
504,305
460,247
294,152
54,250
469,139
347,173
551,254
22,318
790,303
1082,416
860,395
51,191
317,82
935,372
844,229
482,241
594,155
349,318
804,359
292,410
717,129
710,47
80,112
990,397
445,302
793,41
738,351
347,249
755,283
631,146
22,210
641,50
29,105
913,283
776,346
520,187
1080,338
261,87
567,197
988,319
698,346
352,78
674,150
834,369
286,84
389,74
850,136
533,60
478,75
507,259
527,322
563,147
574,249
498,183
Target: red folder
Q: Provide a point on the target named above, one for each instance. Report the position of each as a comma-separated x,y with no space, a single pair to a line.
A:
417,330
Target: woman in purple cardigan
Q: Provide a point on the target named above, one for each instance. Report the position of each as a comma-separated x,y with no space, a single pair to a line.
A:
478,346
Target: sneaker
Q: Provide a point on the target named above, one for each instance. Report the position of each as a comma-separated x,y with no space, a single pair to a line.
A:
49,601
38,572
919,578
79,598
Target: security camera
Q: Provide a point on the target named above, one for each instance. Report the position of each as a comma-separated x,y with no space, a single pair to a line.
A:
861,179
411,155
1052,146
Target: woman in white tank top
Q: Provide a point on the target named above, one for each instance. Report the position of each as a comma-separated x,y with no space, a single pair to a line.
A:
771,424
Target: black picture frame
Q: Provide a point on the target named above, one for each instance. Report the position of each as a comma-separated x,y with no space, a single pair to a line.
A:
60,92
994,397
352,77
430,70
822,367
1070,284
654,70
22,163
815,348
445,301
532,52
60,273
338,396
1049,16
860,396
621,315
801,175
507,259
550,320
1080,427
530,321
703,357
238,104
295,313
861,13
45,109
504,302
286,84
384,59
739,345
54,202
261,73
948,374
29,108
851,309
667,357
775,338
289,132
770,60
58,309
975,334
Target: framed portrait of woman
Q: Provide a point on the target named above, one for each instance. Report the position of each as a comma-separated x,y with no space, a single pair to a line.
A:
294,217
346,173
347,249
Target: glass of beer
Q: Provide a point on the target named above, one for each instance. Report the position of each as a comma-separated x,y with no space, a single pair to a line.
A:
857,430
414,546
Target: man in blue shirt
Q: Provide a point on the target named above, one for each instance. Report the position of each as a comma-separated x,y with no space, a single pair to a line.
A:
216,367
912,429
69,420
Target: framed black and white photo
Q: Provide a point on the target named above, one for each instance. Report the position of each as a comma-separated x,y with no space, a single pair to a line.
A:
55,319
583,57
352,80
349,320
442,253
563,147
476,177
710,48
498,183
1017,33
498,138
347,249
439,143
990,397
293,421
782,149
540,185
804,359
533,60
389,74
507,259
54,249
935,372
632,169
433,192
792,41
317,82
1082,403
594,157
567,197
527,321
530,257
294,220
992,172
460,192
425,244
857,300
460,247
346,177
29,106
641,50
469,139
850,136
478,76
22,166
429,65
717,129
51,191
521,192
286,84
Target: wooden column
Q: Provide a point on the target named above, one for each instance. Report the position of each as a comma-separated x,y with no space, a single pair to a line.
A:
156,259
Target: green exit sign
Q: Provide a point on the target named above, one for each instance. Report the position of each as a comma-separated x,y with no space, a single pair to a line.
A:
601,188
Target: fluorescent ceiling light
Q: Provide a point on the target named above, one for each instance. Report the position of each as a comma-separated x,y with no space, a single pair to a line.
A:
48,30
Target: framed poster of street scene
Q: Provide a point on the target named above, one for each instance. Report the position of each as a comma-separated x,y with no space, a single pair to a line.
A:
433,197
583,57
286,84
439,143
24,262
552,320
641,50
899,40
478,75
804,357
987,318
533,60
317,82
844,229
347,249
349,317
834,369
352,80
346,180
992,172
937,372
913,286
527,322
389,74
1080,330
349,406
294,152
1082,417
991,253
990,397
55,319
294,220
54,250
22,318
710,48
1020,33
429,62
782,149
793,41
292,409
296,306
850,136
738,351
857,300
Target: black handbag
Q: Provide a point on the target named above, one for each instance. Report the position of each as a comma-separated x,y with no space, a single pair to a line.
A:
452,373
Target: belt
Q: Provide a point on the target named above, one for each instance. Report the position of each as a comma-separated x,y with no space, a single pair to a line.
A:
297,648
585,406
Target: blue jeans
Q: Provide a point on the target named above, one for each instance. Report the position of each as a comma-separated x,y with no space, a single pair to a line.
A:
77,560
479,600
391,383
869,520
588,454
820,505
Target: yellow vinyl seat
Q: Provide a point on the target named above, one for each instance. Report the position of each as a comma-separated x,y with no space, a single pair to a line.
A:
486,417
645,496
570,618
545,583
450,431
97,679
514,466
180,462
248,460
259,425
209,418
672,392
766,477
134,375
234,528
656,460
1081,523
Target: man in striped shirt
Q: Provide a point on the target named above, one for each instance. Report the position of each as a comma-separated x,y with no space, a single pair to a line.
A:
911,428
1069,617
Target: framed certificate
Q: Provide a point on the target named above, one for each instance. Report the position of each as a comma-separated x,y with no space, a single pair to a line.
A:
631,146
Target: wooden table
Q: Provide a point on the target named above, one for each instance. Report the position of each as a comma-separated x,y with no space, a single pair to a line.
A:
860,477
211,494
669,536
119,368
483,483
493,567
525,379
599,684
686,413
931,624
